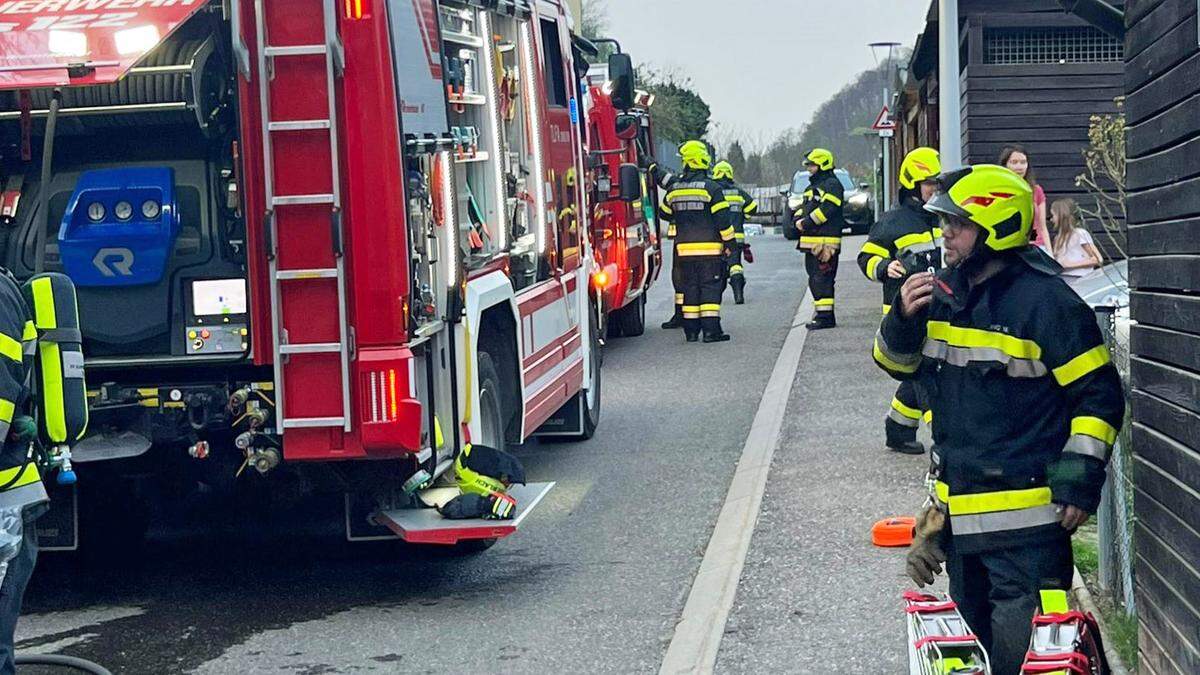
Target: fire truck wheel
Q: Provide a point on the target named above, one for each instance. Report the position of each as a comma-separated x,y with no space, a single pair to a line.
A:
591,397
491,408
630,320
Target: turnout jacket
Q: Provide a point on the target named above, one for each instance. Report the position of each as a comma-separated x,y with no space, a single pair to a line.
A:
820,218
906,228
20,482
741,204
1026,400
700,218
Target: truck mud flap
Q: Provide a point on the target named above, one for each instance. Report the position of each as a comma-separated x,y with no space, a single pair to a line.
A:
566,422
427,526
58,528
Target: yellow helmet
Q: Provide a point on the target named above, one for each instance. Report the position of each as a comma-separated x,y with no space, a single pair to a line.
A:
695,155
992,197
723,170
821,157
919,166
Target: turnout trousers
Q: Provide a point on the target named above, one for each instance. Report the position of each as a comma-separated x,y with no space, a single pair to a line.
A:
904,416
703,281
821,278
998,593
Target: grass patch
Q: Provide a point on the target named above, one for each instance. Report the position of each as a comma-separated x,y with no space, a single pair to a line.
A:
1121,630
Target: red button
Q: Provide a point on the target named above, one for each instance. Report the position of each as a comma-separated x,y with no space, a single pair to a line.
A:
205,334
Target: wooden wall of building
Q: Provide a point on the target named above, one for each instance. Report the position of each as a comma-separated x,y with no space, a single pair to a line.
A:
1162,80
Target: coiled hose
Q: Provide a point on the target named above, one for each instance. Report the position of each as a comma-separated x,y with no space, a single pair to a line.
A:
61,661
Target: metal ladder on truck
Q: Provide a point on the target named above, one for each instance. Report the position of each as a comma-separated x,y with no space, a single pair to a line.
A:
304,207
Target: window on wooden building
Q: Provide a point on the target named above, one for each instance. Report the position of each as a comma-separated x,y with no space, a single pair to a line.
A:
1023,46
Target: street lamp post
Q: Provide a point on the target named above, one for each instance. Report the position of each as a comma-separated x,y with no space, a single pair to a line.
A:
887,49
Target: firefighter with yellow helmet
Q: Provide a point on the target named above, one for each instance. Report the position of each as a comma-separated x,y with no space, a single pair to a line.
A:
741,205
904,240
700,220
821,222
1026,401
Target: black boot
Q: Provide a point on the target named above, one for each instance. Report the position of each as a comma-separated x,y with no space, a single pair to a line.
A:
902,439
690,336
821,321
738,283
676,320
717,337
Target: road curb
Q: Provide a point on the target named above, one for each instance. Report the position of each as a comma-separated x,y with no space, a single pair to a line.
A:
1084,599
697,637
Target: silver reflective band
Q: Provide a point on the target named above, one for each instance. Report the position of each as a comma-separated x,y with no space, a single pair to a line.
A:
1002,521
902,359
961,356
25,495
918,248
896,416
1082,444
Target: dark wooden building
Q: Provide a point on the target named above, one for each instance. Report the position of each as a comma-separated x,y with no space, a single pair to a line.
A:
1162,84
1032,74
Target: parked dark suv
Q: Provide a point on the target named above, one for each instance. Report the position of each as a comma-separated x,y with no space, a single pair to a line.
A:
859,209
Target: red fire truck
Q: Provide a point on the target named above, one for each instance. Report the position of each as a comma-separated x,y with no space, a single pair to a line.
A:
625,235
315,242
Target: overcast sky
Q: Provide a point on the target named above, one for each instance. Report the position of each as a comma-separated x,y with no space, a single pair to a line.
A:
763,65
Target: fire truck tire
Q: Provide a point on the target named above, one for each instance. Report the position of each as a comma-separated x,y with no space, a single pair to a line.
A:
591,396
491,404
630,320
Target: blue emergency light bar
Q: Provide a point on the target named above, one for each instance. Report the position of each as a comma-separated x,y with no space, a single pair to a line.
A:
120,227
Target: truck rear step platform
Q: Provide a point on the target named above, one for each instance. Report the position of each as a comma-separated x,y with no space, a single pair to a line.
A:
427,526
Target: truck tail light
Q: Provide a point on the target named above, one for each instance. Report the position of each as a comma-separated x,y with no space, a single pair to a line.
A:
390,415
354,9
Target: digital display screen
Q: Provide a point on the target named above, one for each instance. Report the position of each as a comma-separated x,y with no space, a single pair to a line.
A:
218,297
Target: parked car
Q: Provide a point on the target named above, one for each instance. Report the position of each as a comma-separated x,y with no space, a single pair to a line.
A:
1107,286
859,209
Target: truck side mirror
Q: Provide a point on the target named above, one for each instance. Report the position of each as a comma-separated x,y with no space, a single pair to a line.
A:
631,183
621,75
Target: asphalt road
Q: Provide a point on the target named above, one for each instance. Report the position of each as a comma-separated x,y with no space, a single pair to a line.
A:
594,582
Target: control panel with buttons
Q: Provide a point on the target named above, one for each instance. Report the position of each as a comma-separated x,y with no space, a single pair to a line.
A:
225,338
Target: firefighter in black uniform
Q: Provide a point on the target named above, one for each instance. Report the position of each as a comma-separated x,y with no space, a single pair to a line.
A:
696,208
1026,406
907,238
820,222
741,204
662,178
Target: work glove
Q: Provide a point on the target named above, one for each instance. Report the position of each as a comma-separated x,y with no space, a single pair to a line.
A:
824,252
925,556
747,253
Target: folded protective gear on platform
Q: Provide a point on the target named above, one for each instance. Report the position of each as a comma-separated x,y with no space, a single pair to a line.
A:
466,506
483,470
925,556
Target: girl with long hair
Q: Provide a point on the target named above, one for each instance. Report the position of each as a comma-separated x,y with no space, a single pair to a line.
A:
1016,159
1073,246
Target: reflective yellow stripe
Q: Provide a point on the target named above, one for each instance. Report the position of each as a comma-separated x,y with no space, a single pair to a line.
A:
887,309
740,236
689,192
671,230
831,198
679,298
1054,601
1081,365
976,337
875,249
51,363
701,248
990,502
710,307
873,268
1094,427
30,332
736,269
20,476
11,349
824,302
728,233
735,198
928,417
751,207
910,413
720,206
910,239
7,408
818,217
883,360
827,241
667,209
